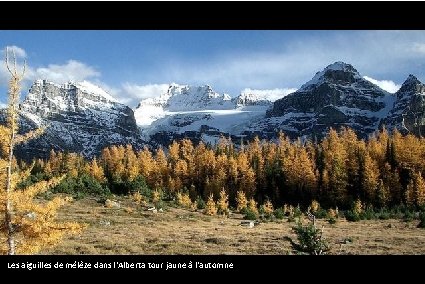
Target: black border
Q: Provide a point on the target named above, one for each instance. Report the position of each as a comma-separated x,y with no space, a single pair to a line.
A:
239,16
266,268
252,15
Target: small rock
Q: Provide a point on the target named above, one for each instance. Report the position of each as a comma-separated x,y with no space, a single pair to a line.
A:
153,210
104,223
249,224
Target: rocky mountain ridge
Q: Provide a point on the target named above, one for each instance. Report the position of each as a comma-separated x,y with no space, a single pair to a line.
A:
81,117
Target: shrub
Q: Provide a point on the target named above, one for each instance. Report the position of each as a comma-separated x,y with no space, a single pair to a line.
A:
251,215
297,211
288,209
291,219
268,209
314,207
183,200
200,203
243,211
331,220
384,214
160,204
156,196
321,213
138,184
279,213
367,214
138,198
358,207
82,185
408,216
252,205
421,220
332,214
310,239
351,216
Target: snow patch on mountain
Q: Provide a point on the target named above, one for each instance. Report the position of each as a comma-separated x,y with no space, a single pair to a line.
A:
272,95
91,88
79,117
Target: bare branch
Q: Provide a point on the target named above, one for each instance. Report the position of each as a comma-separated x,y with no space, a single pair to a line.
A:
14,60
14,73
7,61
24,68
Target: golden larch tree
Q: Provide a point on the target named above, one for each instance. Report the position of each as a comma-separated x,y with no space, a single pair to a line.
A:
26,224
415,193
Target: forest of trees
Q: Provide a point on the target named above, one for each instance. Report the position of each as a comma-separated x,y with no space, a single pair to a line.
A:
384,171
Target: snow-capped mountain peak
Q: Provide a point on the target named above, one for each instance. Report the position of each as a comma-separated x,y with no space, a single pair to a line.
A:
338,73
91,88
181,98
79,117
411,83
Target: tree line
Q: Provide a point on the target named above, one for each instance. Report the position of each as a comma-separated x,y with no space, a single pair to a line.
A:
384,171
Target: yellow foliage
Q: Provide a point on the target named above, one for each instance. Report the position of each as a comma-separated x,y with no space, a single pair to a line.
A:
183,199
332,213
268,208
210,207
223,203
28,224
288,209
358,207
156,196
252,205
35,220
314,206
138,198
241,201
415,193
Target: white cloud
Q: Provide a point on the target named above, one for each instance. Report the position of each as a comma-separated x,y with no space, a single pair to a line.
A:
383,54
19,52
386,85
133,93
72,70
418,47
272,95
3,105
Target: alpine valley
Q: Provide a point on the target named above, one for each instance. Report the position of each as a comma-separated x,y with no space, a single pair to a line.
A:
81,117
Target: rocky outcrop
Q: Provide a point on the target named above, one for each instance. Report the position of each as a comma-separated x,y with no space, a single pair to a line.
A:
408,114
337,96
78,117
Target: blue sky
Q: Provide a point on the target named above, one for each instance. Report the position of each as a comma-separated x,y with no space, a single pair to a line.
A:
132,65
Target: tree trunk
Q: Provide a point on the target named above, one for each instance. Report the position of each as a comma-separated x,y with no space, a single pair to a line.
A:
9,208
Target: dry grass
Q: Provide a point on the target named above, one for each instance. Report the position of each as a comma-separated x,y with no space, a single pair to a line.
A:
132,230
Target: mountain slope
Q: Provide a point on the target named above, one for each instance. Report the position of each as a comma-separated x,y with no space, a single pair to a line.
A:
198,113
79,117
408,114
337,96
